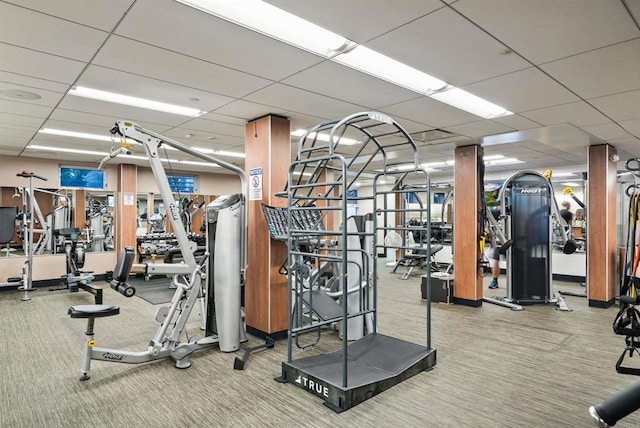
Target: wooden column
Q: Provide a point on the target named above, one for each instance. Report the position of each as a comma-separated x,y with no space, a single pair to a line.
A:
601,226
267,146
467,289
79,205
126,211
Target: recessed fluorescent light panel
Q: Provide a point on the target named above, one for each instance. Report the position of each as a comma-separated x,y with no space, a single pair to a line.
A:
74,134
325,137
466,101
65,150
274,22
95,94
376,64
503,161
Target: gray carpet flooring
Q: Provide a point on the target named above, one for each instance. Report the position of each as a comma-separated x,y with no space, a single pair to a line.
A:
496,368
155,291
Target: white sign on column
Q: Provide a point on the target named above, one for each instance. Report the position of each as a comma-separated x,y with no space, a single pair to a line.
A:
255,184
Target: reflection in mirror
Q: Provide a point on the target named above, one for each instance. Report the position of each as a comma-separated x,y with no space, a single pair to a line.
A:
99,227
52,210
154,232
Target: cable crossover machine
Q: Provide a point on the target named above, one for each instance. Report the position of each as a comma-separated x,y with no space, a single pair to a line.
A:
331,158
530,214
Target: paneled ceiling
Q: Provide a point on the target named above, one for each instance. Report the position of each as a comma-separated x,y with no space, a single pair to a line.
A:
569,71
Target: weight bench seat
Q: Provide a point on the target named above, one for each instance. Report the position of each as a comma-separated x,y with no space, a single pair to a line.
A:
93,311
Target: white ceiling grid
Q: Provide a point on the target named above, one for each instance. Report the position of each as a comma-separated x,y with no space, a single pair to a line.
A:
558,65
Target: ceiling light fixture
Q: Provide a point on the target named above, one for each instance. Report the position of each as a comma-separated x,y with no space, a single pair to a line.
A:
466,101
504,161
492,157
271,21
111,97
376,64
431,164
73,134
571,184
325,137
219,152
186,162
66,150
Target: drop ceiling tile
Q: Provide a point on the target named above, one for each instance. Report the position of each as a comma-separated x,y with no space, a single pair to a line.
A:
632,126
606,131
98,14
480,128
206,127
601,72
28,29
145,60
619,107
245,110
216,117
32,83
302,121
517,121
18,121
290,98
105,79
450,48
24,134
356,20
221,142
38,65
545,30
522,90
430,112
174,26
72,118
24,109
578,114
344,83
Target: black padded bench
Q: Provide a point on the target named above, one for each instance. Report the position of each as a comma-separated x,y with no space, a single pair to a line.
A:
93,311
417,258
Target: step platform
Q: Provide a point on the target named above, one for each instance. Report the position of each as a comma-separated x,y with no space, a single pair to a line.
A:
375,363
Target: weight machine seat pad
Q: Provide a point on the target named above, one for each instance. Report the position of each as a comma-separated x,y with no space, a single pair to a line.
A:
123,266
8,217
93,311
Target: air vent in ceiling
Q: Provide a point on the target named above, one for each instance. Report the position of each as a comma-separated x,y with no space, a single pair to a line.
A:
432,135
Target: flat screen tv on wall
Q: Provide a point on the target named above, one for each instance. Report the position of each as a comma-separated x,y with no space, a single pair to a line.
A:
81,178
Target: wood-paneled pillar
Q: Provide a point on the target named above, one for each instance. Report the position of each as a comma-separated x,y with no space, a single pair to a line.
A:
467,289
79,204
126,206
267,146
601,226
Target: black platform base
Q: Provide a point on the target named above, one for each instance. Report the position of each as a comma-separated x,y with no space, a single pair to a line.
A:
375,363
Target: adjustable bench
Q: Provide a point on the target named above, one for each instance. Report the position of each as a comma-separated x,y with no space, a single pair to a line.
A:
417,258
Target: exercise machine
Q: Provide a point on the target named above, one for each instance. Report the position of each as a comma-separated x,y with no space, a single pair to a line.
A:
627,320
528,211
76,279
28,229
216,287
325,169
